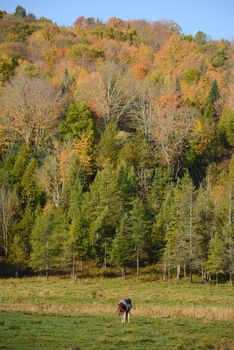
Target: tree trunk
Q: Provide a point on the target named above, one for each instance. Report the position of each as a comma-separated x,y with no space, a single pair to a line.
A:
137,260
169,272
178,272
73,267
185,275
47,260
105,255
190,273
230,278
165,272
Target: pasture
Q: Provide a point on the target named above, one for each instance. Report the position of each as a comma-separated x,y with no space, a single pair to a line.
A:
65,314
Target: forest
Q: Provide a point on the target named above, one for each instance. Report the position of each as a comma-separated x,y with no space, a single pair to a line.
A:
116,149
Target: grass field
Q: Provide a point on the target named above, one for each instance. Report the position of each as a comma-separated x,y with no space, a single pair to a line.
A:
64,314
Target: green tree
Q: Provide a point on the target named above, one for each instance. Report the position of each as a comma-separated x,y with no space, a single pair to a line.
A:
187,244
79,119
30,192
228,227
200,38
109,145
127,185
77,246
216,258
41,242
20,12
123,248
8,207
209,110
169,258
160,227
102,207
226,127
17,254
161,186
140,232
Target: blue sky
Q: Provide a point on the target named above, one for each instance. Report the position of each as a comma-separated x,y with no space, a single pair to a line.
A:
214,17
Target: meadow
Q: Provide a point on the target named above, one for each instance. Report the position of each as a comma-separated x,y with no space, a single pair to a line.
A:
65,314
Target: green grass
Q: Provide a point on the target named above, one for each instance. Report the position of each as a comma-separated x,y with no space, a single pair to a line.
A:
70,314
22,331
109,291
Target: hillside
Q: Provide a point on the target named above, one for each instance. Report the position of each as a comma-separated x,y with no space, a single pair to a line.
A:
116,148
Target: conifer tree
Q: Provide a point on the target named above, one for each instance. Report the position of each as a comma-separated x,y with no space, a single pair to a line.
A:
123,249
127,185
17,254
169,259
160,227
215,264
187,238
209,110
140,232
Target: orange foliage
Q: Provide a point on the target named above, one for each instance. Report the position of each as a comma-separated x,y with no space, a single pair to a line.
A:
139,70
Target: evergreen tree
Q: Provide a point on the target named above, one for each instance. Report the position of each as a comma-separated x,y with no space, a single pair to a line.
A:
209,110
216,258
169,258
47,239
160,188
108,147
102,207
229,227
17,254
30,192
127,185
20,12
76,246
187,244
79,119
123,248
160,227
140,232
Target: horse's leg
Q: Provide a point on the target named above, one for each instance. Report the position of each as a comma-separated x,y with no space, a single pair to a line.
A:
128,316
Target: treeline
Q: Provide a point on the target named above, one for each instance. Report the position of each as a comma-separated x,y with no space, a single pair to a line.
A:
116,148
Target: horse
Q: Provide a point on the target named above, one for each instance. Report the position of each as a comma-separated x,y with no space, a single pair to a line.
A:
124,308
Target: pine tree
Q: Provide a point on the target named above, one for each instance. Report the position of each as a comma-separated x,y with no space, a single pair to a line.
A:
209,110
17,254
127,185
123,249
187,238
76,246
103,207
20,12
160,188
216,258
160,227
40,242
169,258
229,227
79,119
140,231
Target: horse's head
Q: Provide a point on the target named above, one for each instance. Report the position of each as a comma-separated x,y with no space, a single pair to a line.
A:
121,309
